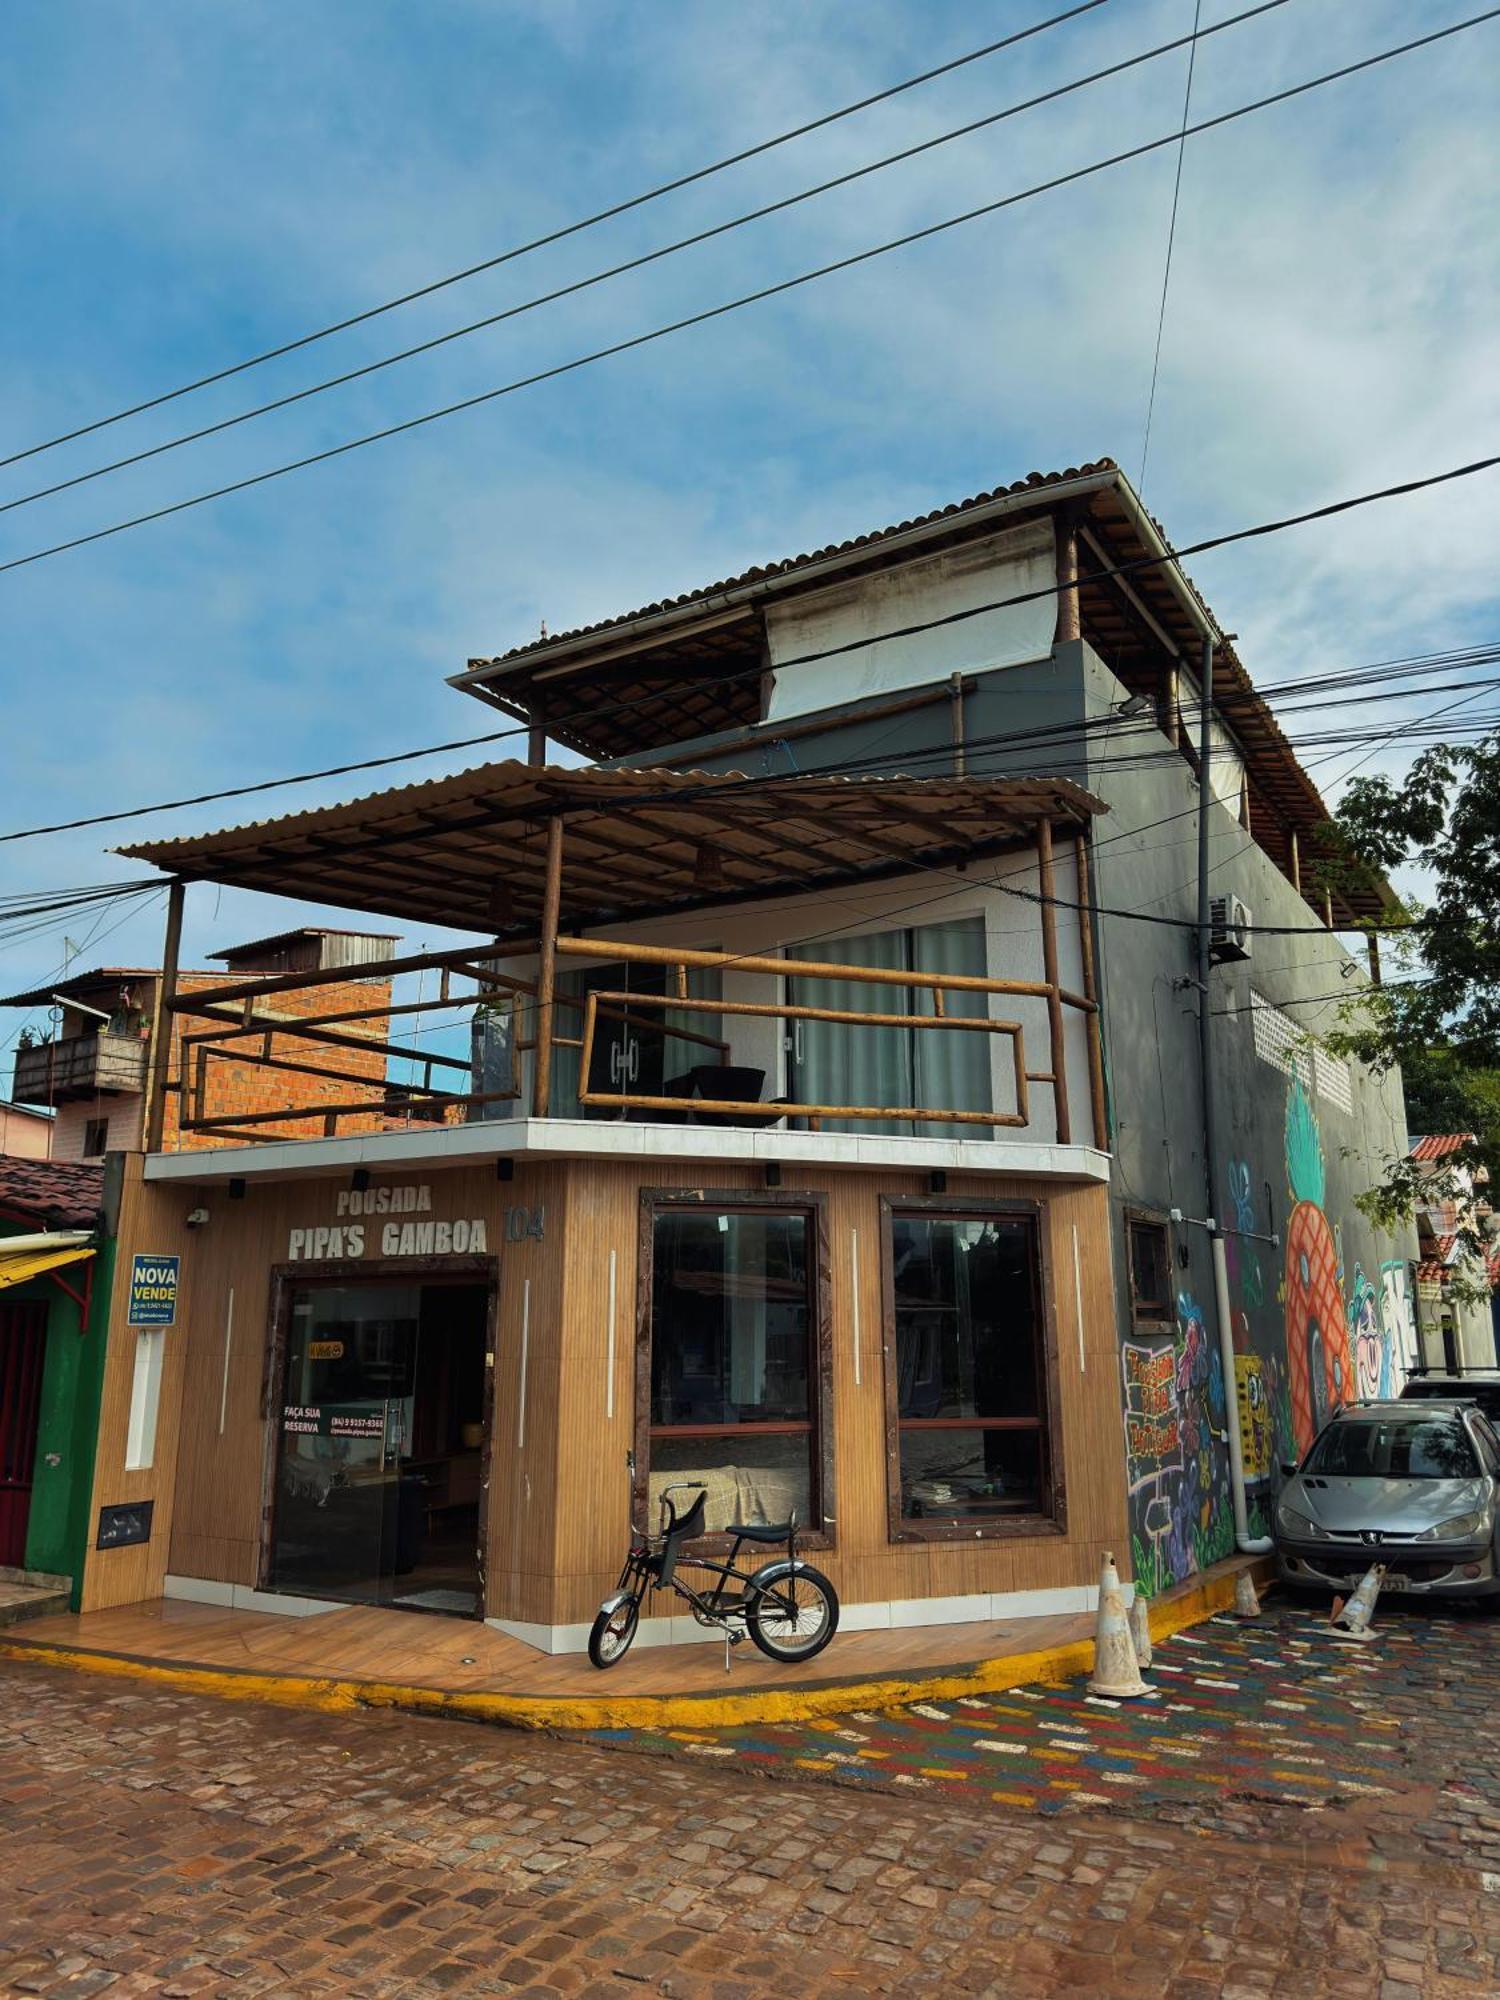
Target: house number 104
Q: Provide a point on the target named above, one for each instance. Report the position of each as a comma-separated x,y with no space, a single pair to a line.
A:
523,1222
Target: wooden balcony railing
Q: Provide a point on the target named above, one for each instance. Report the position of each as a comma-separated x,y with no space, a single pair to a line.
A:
335,1063
75,1066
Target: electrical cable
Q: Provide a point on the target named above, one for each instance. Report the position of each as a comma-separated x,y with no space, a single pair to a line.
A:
1166,276
1168,557
630,264
762,293
561,234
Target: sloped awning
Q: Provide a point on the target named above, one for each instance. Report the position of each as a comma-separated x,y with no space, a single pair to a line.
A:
470,850
18,1267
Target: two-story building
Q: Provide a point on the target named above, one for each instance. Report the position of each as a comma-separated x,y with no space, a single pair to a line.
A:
834,1132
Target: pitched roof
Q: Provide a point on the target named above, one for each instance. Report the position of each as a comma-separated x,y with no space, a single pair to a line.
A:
58,1194
789,566
690,666
1439,1145
470,850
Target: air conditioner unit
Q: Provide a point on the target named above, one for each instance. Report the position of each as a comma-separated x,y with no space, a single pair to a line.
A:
1229,929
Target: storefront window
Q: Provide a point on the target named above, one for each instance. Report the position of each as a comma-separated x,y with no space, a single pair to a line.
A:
732,1326
969,1442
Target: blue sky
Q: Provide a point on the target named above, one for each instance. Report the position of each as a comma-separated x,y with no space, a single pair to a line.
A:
186,184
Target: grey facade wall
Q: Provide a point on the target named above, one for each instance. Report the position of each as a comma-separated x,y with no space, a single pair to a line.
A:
1322,1313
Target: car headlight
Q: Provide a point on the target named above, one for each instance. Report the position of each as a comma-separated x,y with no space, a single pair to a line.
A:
1291,1522
1460,1528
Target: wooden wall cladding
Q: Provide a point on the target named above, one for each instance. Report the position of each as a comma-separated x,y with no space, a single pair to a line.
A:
154,1222
563,1406
593,1437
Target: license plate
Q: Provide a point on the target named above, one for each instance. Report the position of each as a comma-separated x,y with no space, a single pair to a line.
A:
1393,1581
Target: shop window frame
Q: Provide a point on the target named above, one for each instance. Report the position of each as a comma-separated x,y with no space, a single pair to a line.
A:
820,1533
1141,1314
1052,1518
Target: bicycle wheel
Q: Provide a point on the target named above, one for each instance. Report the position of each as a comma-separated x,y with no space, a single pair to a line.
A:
613,1631
794,1616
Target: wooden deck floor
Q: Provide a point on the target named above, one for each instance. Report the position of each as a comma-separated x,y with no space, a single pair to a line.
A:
460,1656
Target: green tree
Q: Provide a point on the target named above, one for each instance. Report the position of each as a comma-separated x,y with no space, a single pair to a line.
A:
1438,1013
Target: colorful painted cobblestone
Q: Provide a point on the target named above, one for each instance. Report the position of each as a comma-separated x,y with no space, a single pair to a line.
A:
1275,1710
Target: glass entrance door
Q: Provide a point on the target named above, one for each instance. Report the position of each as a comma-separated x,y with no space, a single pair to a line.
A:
345,1516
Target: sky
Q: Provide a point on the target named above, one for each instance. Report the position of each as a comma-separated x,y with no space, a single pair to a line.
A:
187,185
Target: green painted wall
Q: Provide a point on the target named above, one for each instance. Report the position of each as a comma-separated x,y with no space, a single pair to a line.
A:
68,1417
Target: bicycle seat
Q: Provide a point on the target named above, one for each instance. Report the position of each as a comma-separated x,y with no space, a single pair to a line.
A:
758,1531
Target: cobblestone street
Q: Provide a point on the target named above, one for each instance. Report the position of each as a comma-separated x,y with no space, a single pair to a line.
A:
158,1842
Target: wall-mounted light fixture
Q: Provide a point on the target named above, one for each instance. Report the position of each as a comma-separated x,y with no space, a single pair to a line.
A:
359,1180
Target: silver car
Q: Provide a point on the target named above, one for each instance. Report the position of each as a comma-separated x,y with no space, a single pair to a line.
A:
1413,1486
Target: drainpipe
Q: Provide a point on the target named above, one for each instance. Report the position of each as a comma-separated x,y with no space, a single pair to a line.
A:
1247,1543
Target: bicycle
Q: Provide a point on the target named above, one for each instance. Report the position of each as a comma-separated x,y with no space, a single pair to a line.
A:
788,1608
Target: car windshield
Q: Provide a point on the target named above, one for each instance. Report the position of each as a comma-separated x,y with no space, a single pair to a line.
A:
1413,1447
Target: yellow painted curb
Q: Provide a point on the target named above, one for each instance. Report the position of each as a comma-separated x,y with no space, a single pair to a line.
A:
706,1711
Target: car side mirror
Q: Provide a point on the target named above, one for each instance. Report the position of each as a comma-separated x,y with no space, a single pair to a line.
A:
1289,1468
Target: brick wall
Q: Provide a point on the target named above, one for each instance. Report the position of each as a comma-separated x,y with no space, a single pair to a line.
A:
237,1088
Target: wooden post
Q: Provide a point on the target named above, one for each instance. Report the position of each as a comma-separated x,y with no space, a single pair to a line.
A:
1245,802
1296,853
1054,997
546,985
1098,1100
536,734
1328,908
1069,624
956,724
1372,947
1169,704
160,1061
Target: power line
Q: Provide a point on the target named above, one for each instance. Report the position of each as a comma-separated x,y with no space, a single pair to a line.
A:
710,313
561,234
1133,566
632,263
1166,276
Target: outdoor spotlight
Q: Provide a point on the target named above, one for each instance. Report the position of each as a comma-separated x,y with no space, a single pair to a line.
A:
773,1173
1133,706
505,1170
937,1181
196,1217
237,1189
359,1180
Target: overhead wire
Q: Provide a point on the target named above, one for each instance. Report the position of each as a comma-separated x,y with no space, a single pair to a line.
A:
776,290
1166,276
1134,566
635,263
564,231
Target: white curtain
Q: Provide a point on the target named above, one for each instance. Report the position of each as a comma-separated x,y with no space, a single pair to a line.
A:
836,1062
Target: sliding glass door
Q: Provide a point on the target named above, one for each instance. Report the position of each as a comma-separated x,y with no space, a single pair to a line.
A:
841,1063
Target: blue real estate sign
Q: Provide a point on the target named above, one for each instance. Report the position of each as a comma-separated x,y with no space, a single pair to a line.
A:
153,1290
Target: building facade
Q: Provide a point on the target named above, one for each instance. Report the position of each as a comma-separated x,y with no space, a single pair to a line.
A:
832,1130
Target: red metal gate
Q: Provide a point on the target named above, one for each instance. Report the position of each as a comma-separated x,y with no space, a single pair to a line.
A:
23,1341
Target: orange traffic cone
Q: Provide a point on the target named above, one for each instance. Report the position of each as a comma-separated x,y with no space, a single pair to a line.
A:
1117,1672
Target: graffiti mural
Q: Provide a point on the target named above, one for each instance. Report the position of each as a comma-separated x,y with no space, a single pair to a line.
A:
1176,1453
1317,1341
1372,1360
1256,1442
1396,1317
1239,1250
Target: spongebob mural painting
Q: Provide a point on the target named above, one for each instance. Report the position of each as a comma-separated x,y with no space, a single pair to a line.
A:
1317,1341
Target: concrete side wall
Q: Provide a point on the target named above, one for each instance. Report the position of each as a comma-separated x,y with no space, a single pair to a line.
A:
1325,1313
